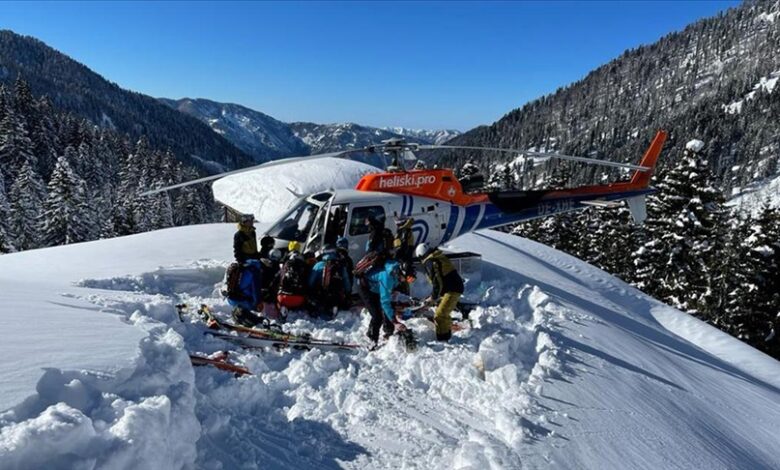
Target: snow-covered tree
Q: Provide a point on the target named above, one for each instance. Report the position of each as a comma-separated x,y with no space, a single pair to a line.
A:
15,145
26,199
754,301
65,211
6,245
683,230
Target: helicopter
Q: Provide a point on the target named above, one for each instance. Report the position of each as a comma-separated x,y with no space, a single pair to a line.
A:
435,200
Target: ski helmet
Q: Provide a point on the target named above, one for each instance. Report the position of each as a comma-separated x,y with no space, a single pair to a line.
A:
422,250
342,243
294,246
247,218
275,255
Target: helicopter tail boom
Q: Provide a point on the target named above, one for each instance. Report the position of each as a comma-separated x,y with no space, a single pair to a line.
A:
642,178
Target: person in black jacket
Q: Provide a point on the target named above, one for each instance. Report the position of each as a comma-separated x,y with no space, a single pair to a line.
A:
245,240
266,245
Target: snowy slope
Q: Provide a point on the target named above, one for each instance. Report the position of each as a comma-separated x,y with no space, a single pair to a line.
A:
437,137
565,366
255,133
322,138
752,199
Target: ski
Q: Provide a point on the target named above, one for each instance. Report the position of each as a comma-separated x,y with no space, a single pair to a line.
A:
261,342
219,362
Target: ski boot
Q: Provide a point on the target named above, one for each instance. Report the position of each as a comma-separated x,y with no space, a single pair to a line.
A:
245,318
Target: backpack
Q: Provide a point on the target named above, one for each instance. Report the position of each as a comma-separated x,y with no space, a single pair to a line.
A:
367,263
232,281
332,274
292,276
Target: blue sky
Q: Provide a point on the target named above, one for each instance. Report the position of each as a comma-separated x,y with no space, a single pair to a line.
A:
414,64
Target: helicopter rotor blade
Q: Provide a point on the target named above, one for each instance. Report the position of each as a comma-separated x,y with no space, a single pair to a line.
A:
592,161
283,161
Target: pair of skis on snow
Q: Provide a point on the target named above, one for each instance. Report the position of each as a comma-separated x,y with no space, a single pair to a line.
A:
266,335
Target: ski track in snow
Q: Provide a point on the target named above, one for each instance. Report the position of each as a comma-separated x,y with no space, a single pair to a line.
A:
331,409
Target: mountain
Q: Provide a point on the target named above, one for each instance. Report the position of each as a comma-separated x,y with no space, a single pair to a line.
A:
714,81
257,134
563,366
74,88
322,138
264,137
436,137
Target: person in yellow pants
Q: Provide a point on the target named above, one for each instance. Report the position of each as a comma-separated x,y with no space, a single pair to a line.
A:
447,287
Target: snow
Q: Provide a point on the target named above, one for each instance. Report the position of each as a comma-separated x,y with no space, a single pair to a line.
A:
751,199
765,84
694,145
251,193
564,366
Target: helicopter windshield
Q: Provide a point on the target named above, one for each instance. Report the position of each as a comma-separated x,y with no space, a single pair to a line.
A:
296,224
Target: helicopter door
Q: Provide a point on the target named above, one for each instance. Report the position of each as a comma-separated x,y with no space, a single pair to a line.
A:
359,231
317,232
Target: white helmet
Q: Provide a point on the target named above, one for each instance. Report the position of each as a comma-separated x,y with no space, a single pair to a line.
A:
275,255
422,250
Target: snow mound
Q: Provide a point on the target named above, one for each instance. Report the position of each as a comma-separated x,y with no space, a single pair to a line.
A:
141,417
268,192
694,145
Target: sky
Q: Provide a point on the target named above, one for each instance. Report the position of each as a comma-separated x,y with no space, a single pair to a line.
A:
413,64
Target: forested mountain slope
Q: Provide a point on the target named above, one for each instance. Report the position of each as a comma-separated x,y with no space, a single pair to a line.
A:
713,81
74,88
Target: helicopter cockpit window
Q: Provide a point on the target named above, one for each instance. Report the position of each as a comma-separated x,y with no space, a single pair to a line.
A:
296,224
357,226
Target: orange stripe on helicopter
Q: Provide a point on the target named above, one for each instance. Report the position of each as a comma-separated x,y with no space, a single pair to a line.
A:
442,184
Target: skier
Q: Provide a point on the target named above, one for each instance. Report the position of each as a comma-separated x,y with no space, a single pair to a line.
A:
271,284
246,295
245,240
266,245
329,283
376,235
378,246
403,244
447,287
376,291
292,279
342,249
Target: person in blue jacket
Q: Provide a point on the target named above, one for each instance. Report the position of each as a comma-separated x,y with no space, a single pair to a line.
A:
329,283
249,296
376,291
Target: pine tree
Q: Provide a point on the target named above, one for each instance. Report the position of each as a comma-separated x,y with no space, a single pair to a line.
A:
755,301
6,245
15,145
683,230
65,211
26,198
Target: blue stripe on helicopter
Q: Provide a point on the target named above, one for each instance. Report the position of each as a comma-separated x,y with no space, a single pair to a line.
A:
403,205
453,221
410,206
422,227
472,212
